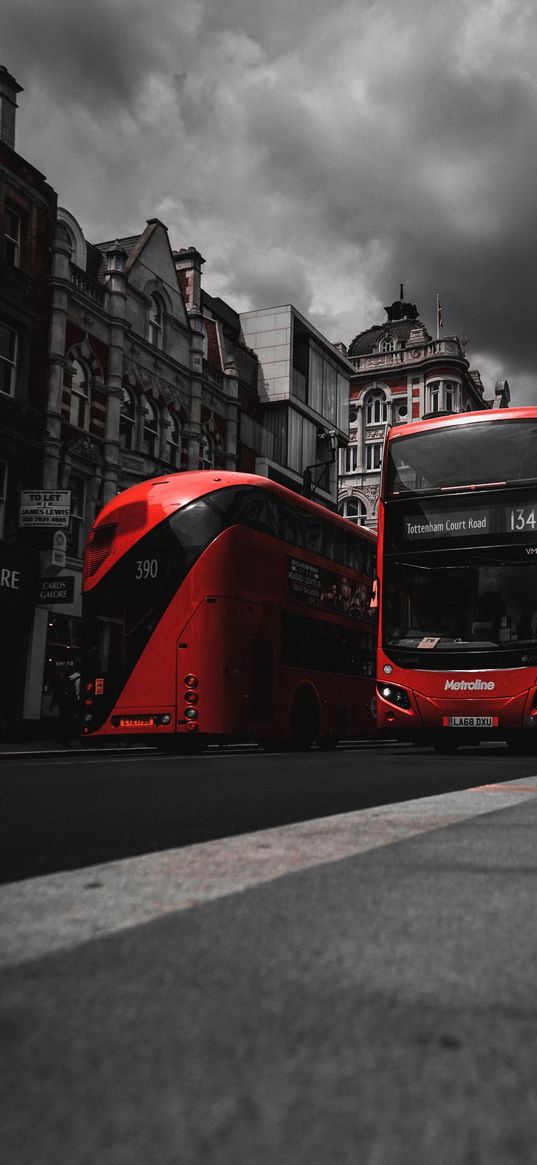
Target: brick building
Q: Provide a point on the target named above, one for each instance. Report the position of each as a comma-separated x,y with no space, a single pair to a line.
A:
400,374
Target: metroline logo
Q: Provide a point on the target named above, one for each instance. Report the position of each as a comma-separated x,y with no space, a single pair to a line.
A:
469,686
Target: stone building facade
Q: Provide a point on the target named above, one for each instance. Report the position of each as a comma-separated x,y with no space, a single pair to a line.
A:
117,366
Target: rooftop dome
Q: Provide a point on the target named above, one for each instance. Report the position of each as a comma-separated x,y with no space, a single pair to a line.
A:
402,320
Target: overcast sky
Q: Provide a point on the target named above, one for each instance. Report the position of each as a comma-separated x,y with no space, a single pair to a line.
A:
316,153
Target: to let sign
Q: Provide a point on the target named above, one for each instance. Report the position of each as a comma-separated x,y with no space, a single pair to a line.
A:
45,509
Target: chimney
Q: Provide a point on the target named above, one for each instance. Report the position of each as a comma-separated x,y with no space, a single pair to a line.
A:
188,264
8,105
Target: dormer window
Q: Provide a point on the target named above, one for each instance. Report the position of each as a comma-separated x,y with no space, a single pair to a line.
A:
387,345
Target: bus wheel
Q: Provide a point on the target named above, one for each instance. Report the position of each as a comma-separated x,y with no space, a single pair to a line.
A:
304,720
328,743
522,744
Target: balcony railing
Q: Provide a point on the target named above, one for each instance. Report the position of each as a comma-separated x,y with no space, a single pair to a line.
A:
86,286
409,355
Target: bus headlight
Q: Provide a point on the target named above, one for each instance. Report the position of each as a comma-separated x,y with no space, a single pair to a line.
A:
394,695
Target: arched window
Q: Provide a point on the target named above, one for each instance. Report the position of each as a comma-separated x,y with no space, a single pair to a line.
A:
177,445
127,420
151,429
156,320
387,344
354,509
376,409
207,451
80,396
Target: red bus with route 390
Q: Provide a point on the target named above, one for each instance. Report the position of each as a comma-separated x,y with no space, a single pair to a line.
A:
220,606
457,567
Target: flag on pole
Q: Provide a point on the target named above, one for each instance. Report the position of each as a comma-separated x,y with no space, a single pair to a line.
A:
439,316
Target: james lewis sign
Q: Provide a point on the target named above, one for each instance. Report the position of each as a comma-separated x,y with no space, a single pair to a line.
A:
45,508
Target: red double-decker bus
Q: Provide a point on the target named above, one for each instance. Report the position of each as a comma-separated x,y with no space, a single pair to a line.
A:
221,606
457,564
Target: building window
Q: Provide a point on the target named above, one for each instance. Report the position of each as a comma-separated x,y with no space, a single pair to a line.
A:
443,396
207,452
151,427
353,509
156,316
373,455
450,397
177,446
80,395
376,411
12,237
75,534
434,397
3,497
350,459
387,345
8,359
127,420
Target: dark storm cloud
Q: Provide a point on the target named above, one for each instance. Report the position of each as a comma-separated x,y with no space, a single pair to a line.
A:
315,154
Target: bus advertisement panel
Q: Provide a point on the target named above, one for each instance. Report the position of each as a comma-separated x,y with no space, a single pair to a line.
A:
222,606
457,563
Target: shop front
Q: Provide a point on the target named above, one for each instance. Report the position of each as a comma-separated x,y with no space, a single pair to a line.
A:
19,568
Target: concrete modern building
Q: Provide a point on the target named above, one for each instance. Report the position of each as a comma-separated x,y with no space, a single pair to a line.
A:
400,373
303,386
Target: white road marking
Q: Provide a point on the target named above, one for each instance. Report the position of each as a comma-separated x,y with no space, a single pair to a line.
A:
62,910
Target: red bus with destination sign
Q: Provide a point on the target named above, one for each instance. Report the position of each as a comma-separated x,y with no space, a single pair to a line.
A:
221,606
457,565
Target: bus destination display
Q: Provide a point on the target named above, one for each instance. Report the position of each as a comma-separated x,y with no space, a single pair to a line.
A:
470,523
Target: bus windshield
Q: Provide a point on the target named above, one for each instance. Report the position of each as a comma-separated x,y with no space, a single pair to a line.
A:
484,453
473,600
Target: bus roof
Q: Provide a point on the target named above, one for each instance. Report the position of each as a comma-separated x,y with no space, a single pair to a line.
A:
168,493
137,510
525,412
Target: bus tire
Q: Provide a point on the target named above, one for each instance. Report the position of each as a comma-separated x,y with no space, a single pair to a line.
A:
522,744
304,720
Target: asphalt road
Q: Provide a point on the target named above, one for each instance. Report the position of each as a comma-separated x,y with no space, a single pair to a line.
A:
374,1003
60,813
